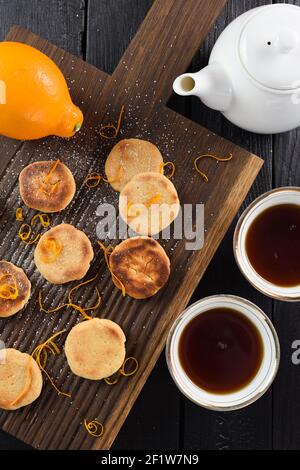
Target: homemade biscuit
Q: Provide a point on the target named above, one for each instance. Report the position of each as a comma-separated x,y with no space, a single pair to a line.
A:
142,266
35,388
130,157
47,186
149,203
15,377
11,278
63,254
95,349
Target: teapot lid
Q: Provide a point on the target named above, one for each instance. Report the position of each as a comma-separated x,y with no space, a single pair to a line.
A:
269,46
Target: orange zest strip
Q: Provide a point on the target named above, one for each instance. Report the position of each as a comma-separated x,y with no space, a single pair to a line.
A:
60,307
40,354
131,372
46,182
52,310
52,170
147,204
74,289
214,157
71,304
19,214
116,128
44,220
94,428
112,380
107,252
122,371
80,310
8,290
153,200
93,179
173,169
25,230
53,187
24,233
32,242
52,249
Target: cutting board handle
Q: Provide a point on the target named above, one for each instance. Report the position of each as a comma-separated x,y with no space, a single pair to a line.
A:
165,44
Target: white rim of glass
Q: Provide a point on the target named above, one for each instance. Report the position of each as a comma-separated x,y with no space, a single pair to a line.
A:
262,380
278,196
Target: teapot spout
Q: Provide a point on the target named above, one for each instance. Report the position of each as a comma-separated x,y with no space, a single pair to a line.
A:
211,85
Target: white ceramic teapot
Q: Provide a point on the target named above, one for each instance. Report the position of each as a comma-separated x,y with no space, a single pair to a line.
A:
253,75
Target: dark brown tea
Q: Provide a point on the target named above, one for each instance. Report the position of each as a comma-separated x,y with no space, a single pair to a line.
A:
273,245
221,350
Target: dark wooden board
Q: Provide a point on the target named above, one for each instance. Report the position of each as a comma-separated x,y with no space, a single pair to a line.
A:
110,27
55,422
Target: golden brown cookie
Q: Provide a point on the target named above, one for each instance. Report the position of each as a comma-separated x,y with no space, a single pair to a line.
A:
35,388
15,289
63,254
130,157
95,349
142,265
15,377
47,186
149,203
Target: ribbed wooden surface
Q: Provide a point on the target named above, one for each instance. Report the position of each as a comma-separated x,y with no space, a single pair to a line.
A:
142,82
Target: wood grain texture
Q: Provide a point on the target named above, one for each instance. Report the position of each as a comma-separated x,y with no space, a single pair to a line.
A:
110,27
61,22
249,428
145,323
154,421
286,315
286,406
142,428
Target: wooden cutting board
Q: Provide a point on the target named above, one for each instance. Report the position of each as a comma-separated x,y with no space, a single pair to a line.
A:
163,48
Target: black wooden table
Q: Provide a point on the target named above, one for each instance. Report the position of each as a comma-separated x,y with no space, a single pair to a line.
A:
99,31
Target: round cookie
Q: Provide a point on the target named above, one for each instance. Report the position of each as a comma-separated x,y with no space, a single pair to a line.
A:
95,349
15,377
47,186
130,157
142,265
34,391
63,254
12,278
149,203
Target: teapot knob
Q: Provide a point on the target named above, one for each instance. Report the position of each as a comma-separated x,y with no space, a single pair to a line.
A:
286,40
